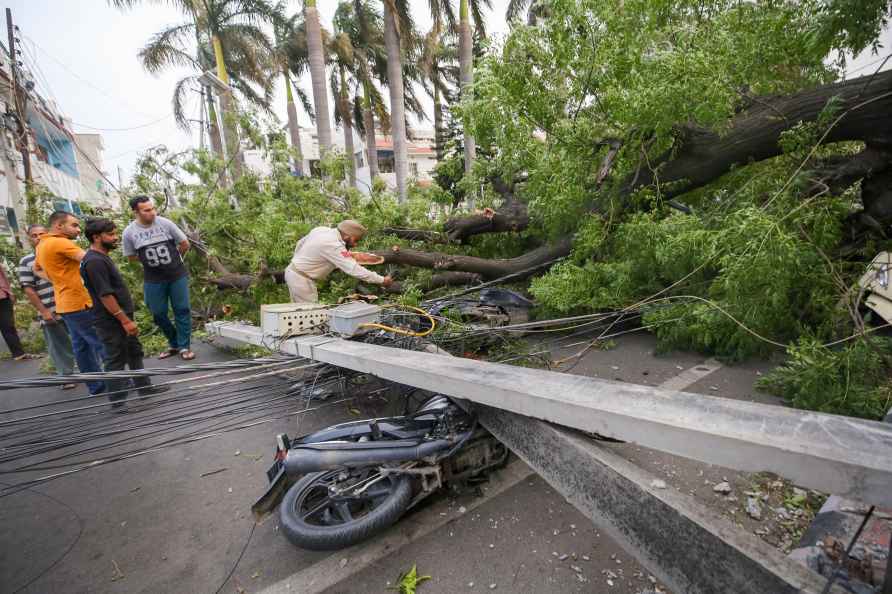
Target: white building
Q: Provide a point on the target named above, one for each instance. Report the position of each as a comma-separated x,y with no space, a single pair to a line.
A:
65,163
422,157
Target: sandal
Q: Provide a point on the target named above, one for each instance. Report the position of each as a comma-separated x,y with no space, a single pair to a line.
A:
187,355
168,353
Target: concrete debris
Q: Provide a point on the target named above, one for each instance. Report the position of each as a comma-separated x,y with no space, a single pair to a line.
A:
658,484
576,568
462,509
343,563
753,508
492,586
724,487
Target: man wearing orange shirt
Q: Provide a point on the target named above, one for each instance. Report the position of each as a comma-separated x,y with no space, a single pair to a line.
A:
59,258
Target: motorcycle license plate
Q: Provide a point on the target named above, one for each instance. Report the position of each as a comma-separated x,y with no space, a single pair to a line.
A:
273,471
267,502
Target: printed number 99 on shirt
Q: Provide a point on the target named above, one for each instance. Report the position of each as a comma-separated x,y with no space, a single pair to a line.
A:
158,255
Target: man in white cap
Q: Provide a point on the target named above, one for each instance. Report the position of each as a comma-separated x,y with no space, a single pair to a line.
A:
319,252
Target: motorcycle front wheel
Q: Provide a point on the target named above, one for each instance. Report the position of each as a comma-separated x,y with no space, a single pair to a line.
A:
314,516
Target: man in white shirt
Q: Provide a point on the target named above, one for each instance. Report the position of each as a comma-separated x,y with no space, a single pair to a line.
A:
321,251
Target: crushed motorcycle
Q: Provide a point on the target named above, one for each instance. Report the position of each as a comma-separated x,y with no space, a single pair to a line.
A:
346,483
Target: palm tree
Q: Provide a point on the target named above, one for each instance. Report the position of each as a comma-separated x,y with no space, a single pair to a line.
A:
342,55
360,20
290,57
397,27
535,10
437,62
227,33
317,75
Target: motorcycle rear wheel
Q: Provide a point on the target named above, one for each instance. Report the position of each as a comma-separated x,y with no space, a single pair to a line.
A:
313,519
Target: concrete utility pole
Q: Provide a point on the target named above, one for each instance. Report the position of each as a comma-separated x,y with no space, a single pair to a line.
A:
20,101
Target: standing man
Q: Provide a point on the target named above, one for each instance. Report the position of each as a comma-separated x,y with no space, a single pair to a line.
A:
319,252
159,245
39,292
59,259
7,319
113,309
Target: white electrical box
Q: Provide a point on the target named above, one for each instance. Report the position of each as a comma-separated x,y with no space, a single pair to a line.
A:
348,319
292,319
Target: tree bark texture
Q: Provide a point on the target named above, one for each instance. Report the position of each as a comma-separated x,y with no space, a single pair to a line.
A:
317,75
347,123
438,121
488,269
213,128
702,156
371,140
294,129
397,103
466,77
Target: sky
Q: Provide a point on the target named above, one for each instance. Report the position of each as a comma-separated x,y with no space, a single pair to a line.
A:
83,55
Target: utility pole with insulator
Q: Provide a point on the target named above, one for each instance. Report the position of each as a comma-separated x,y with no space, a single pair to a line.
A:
20,101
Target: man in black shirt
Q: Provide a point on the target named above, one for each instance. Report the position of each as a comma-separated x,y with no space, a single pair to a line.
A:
113,310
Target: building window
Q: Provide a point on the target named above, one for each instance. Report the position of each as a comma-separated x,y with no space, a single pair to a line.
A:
359,162
385,161
314,168
413,169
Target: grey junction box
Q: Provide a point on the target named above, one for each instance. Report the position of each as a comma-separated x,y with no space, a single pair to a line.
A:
347,319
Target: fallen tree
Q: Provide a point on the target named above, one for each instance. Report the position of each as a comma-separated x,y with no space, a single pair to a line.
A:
861,108
487,268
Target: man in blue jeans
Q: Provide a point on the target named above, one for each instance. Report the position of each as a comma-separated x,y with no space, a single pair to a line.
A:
58,260
158,244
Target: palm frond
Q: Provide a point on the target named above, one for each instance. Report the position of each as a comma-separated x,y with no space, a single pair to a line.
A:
514,10
168,48
180,95
476,7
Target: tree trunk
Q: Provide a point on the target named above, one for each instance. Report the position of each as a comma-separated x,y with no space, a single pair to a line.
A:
397,103
438,118
347,122
466,75
294,128
528,263
227,106
317,75
213,128
371,141
512,216
702,156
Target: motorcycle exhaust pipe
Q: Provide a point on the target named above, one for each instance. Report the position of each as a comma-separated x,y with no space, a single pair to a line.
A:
303,460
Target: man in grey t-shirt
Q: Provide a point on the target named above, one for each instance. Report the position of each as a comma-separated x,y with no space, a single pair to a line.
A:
158,244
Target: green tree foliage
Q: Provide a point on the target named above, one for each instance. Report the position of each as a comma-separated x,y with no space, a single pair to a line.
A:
755,266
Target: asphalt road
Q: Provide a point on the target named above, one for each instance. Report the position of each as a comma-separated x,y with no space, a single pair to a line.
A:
178,520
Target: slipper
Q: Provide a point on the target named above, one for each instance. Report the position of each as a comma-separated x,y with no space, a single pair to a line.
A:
69,386
25,357
168,353
187,355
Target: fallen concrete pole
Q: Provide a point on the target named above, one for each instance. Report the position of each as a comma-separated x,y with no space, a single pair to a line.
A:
690,548
834,454
684,544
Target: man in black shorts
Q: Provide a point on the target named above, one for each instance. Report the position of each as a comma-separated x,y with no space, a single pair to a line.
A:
113,310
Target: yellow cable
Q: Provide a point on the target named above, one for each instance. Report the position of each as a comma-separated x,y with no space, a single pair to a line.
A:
401,330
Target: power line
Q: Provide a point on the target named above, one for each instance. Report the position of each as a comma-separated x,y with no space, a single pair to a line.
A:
138,127
82,79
